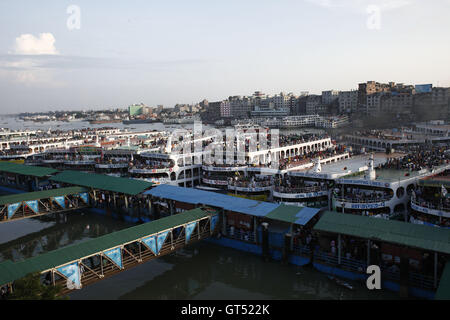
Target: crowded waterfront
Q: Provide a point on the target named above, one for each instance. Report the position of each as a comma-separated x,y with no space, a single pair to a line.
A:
278,201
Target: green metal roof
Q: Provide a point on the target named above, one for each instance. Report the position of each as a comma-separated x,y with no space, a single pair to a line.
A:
398,232
284,213
102,182
443,291
14,198
26,170
10,271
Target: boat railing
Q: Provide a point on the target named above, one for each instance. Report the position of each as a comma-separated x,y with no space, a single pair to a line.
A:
429,205
364,200
294,190
239,234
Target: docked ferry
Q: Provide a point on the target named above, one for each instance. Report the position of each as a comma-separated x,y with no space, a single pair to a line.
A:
382,192
430,201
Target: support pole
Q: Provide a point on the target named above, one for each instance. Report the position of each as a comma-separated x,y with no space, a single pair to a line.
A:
224,222
435,269
339,249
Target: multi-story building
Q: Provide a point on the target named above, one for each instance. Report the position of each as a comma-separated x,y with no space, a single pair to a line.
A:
373,103
348,101
240,107
313,104
397,103
225,109
329,96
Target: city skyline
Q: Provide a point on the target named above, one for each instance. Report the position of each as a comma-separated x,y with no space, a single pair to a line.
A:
164,54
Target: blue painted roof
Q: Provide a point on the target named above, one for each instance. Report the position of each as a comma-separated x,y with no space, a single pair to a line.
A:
281,212
305,214
195,196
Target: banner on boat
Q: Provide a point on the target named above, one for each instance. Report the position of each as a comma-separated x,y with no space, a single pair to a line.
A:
72,273
60,201
189,229
33,205
151,243
12,208
161,239
85,197
213,222
115,255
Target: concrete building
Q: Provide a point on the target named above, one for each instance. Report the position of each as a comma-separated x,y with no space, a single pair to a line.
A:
225,109
348,101
329,96
313,104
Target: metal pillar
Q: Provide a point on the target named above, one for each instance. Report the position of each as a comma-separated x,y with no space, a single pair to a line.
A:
435,269
339,249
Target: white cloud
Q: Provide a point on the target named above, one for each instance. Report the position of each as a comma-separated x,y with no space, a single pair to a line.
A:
27,44
24,64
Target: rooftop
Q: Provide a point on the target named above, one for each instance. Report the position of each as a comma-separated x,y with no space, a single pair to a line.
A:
15,198
102,182
275,211
398,232
26,170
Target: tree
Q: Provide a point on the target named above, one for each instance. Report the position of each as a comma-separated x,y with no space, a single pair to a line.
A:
31,288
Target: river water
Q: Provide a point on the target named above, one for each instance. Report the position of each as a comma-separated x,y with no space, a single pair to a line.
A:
201,271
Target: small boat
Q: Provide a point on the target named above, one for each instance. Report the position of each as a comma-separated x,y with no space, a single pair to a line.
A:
341,282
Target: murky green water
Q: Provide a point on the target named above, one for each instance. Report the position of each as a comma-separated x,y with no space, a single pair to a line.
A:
201,271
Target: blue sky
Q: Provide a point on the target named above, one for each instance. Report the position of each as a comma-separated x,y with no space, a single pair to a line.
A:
168,52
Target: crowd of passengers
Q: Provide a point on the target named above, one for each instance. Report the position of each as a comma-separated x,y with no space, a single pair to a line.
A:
251,181
424,157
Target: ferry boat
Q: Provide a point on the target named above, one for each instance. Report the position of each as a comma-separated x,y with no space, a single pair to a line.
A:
381,192
430,201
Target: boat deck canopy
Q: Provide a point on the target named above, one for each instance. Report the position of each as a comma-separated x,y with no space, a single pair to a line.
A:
15,198
102,182
25,170
397,232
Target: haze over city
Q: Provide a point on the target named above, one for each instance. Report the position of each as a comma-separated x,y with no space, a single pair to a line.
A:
163,53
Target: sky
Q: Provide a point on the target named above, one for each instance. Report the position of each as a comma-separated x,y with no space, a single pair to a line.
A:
75,55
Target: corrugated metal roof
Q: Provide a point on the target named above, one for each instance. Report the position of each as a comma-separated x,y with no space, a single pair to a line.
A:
195,196
103,182
14,198
403,233
285,213
443,291
26,170
293,214
10,271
